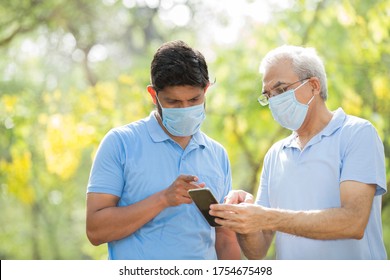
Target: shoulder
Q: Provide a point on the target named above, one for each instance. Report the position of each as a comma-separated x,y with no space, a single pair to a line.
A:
354,127
211,144
126,134
277,147
130,129
211,141
354,122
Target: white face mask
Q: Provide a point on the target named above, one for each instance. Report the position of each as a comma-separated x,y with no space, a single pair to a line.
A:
287,110
183,121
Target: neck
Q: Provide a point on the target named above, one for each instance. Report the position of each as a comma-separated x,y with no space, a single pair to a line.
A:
319,117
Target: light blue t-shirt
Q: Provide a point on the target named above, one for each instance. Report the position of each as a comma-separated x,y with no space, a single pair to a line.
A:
139,159
348,148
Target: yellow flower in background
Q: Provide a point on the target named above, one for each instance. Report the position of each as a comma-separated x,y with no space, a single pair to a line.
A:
126,80
381,85
9,103
18,175
65,140
105,93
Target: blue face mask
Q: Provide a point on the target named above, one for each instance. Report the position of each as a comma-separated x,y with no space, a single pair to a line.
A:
183,121
287,110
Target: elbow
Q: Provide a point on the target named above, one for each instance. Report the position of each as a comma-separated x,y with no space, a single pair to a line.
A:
357,231
358,234
255,257
93,238
94,233
94,242
359,237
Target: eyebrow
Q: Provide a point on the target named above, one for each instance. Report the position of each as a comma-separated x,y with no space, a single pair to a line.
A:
278,84
168,99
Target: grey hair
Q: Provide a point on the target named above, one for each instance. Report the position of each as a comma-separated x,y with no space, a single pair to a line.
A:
305,62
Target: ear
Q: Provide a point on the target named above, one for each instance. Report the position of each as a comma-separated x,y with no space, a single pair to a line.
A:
315,85
206,87
152,93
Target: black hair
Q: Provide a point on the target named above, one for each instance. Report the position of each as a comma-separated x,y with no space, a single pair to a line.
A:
177,64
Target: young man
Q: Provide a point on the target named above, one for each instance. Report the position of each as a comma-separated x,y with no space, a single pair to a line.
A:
137,196
321,187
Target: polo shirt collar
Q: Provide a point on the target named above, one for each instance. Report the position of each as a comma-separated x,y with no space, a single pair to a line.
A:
200,139
158,134
155,131
335,123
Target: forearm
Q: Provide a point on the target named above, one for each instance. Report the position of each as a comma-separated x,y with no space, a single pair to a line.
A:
114,223
255,245
345,222
230,252
334,223
226,245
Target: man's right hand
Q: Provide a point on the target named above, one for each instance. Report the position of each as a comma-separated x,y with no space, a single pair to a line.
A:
177,192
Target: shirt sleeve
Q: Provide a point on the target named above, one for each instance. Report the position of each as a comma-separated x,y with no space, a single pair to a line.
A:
107,169
364,159
262,194
228,181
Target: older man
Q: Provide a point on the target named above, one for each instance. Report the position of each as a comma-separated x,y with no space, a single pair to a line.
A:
321,187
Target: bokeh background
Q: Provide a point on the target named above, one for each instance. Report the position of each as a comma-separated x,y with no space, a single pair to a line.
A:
72,69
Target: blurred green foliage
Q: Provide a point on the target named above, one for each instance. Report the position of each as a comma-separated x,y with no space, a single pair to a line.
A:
71,70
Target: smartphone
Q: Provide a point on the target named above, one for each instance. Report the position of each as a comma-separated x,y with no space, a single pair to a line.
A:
203,198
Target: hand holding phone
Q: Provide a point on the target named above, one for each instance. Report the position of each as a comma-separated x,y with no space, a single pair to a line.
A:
203,198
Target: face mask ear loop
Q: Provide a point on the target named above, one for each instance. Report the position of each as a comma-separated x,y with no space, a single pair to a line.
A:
301,85
158,101
311,99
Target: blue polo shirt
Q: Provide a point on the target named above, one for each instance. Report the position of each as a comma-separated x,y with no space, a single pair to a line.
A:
348,148
139,159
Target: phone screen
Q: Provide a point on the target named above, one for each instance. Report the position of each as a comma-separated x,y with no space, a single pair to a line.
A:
203,198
